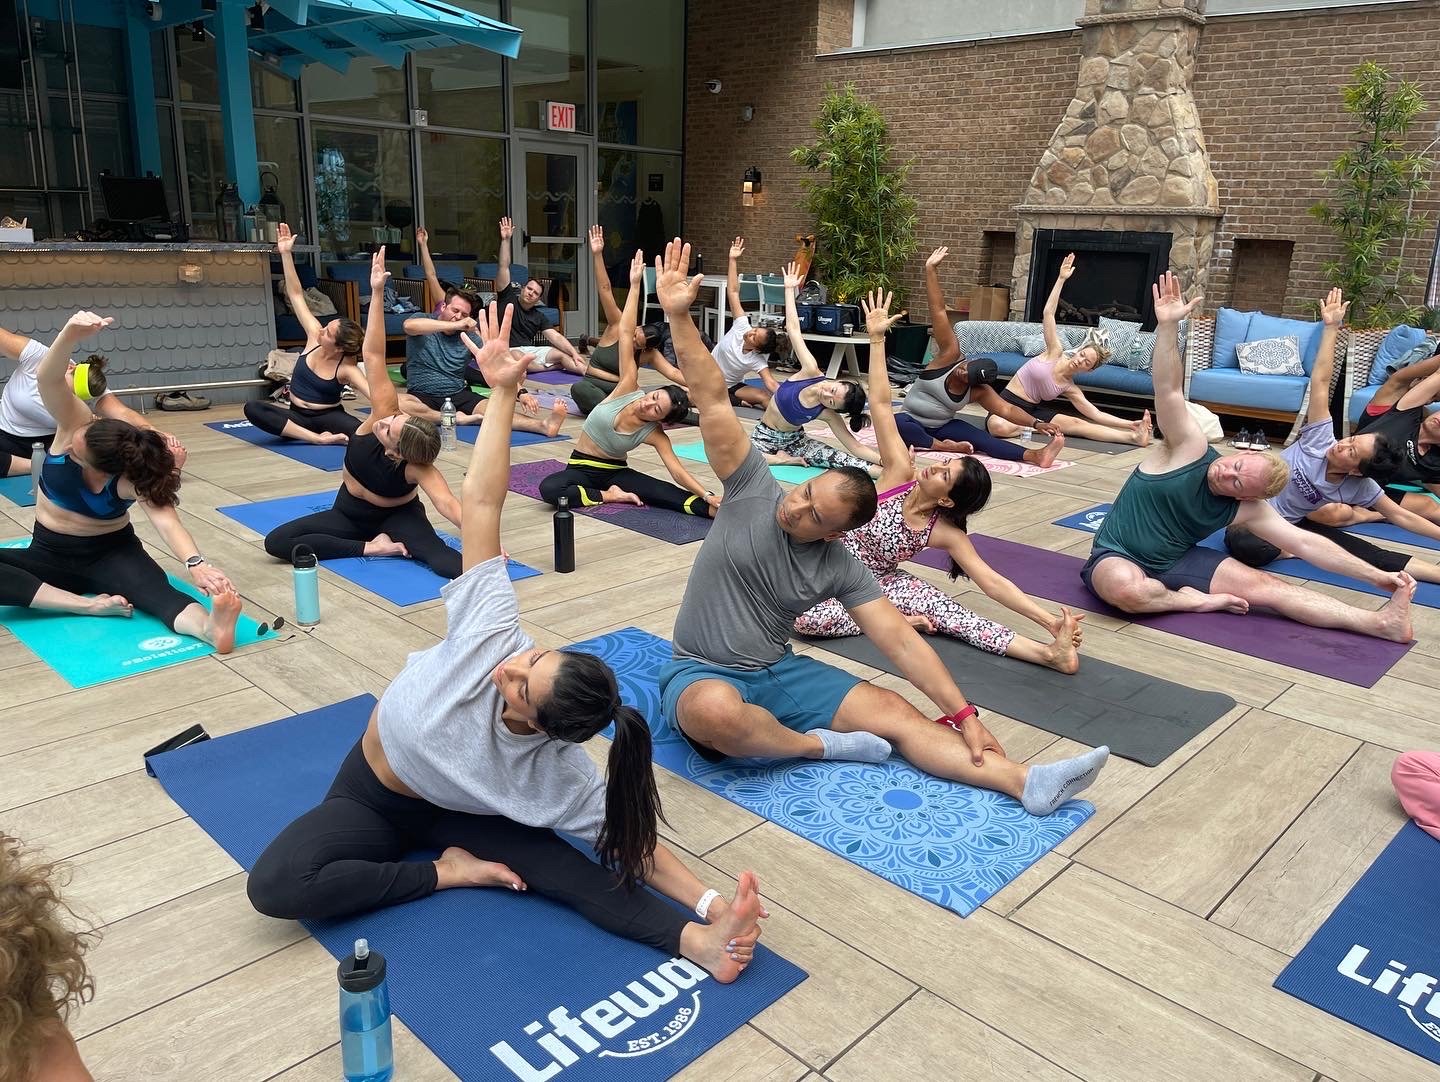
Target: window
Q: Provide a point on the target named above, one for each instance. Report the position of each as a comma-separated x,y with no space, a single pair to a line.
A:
552,61
638,206
464,193
277,148
362,188
369,90
640,55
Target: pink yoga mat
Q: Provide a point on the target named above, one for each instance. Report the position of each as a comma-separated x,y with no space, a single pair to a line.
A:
994,465
1344,655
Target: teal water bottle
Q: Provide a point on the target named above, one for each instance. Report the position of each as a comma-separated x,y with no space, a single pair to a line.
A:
307,585
366,1052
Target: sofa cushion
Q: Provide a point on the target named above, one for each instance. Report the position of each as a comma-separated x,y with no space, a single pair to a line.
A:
989,336
1114,377
1122,339
1402,346
1307,334
1272,357
1032,345
1360,398
1008,361
1231,329
1232,387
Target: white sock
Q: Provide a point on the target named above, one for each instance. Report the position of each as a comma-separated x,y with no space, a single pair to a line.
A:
1050,785
859,746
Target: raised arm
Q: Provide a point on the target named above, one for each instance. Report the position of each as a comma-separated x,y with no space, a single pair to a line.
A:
1182,435
1332,311
726,443
809,369
894,455
608,307
1053,345
299,307
12,344
625,347
384,399
432,280
56,392
1423,391
1265,522
732,278
502,258
483,493
947,346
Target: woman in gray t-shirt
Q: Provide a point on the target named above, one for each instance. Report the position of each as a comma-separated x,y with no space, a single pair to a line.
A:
474,750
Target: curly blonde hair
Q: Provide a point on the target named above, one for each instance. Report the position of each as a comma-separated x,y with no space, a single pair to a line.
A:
42,967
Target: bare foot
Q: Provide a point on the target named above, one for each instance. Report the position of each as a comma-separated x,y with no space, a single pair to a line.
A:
331,437
558,413
1142,431
616,494
1063,654
780,458
1393,621
1202,602
458,868
1045,456
384,545
725,947
921,624
109,605
220,627
468,419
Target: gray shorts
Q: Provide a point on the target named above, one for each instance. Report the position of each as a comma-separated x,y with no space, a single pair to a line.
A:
1196,568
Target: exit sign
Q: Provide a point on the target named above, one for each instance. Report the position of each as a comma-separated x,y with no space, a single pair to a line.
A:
559,116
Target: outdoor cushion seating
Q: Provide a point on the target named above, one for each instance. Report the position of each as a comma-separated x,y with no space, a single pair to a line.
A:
1369,363
288,331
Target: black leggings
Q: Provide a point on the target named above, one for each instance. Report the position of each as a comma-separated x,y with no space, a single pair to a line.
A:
347,855
110,563
1257,552
344,529
271,417
586,476
918,436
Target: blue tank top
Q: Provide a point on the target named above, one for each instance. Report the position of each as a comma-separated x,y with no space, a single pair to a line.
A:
307,386
62,479
787,401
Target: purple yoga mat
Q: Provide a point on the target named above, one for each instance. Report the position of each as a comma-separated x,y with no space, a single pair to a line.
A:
559,377
1344,655
671,526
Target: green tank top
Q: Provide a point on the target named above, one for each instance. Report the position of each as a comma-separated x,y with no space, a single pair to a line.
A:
606,358
1158,517
600,427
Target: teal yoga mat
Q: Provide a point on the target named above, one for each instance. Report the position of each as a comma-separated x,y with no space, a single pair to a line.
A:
18,490
950,843
90,650
795,475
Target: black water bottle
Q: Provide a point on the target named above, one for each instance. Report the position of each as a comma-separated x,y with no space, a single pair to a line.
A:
564,537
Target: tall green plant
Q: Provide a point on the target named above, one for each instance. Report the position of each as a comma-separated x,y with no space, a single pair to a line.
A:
1374,184
864,220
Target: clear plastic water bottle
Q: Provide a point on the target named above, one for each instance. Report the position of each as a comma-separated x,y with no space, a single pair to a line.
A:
37,463
564,536
1027,434
366,1052
307,585
447,426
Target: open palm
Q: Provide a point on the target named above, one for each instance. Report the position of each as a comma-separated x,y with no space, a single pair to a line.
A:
675,289
497,363
1170,304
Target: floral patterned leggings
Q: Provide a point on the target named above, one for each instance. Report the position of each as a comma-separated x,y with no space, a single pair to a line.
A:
821,455
914,597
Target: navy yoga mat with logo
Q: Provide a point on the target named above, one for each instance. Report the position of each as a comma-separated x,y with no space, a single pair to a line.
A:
499,985
1375,962
944,841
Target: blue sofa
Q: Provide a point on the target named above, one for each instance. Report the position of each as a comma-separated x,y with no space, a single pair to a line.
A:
1372,356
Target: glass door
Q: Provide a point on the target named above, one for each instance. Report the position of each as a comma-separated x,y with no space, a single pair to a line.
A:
552,212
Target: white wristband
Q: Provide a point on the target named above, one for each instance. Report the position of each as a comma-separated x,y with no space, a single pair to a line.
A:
702,907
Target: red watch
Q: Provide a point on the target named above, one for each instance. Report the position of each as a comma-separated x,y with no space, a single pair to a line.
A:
954,720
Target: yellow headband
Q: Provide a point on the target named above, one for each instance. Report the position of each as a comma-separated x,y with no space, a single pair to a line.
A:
82,382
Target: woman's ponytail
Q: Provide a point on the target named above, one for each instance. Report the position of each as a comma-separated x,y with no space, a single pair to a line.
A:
632,801
854,405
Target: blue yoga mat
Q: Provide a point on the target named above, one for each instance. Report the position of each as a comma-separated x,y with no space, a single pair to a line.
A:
1388,531
18,490
950,843
472,971
469,433
1426,593
329,457
398,580
1368,963
90,650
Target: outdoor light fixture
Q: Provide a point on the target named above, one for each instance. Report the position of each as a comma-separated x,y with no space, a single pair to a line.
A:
750,185
197,31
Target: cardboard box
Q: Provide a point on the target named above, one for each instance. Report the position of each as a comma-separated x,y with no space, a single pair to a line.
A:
990,302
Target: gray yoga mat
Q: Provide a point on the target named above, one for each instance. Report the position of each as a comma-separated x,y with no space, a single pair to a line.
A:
1140,717
1080,443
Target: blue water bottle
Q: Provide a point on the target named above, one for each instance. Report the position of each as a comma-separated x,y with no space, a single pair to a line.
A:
307,586
366,1053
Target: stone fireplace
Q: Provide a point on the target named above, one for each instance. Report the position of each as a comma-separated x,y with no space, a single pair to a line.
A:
1127,161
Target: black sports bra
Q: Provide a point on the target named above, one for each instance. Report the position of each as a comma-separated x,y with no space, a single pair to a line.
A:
368,463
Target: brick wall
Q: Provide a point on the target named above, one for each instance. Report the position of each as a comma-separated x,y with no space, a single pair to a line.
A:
976,118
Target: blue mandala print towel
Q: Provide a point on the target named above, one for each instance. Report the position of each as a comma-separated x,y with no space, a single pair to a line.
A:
950,843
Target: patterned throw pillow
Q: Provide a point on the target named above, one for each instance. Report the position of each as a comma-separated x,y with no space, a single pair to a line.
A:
1073,337
986,336
1032,345
1271,356
1122,338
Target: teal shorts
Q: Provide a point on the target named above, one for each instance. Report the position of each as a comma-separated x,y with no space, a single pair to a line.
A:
801,692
